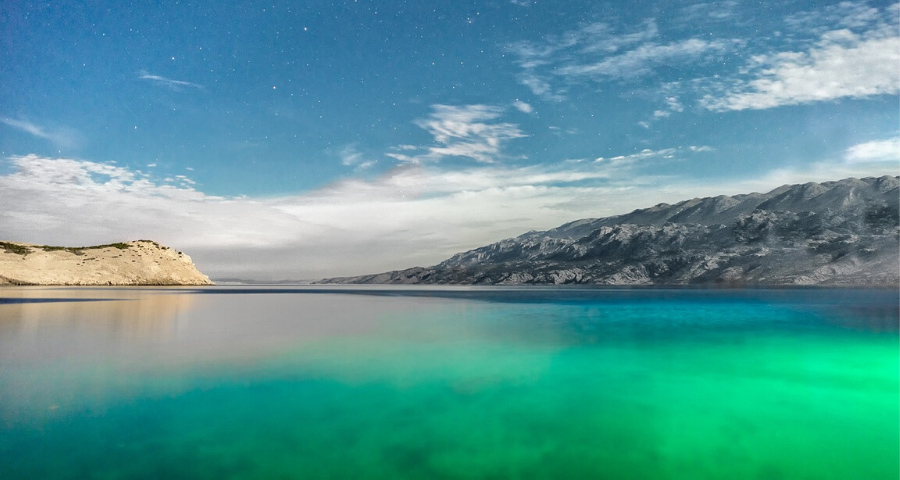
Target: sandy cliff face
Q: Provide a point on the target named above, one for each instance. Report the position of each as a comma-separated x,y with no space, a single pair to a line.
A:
141,262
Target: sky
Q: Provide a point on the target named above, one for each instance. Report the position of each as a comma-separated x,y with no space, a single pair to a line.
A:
300,140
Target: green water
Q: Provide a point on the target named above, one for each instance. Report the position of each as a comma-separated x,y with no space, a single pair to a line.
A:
305,383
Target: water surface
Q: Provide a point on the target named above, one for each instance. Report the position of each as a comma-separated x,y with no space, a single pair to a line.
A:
448,383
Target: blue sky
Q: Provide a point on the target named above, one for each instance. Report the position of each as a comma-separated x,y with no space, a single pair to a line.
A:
305,139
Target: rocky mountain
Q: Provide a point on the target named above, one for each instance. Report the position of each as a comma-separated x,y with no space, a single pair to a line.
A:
142,262
832,233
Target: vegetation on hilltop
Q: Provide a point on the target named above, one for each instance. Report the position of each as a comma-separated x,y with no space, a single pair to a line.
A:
19,249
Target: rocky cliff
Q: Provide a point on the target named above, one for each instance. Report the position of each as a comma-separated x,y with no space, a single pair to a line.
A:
142,262
833,233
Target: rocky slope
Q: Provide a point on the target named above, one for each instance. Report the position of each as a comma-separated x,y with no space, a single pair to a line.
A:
833,233
142,262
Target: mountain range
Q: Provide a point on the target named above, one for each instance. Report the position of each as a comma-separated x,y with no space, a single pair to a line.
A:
832,233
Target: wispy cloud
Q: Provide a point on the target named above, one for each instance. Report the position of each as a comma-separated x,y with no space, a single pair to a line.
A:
462,131
351,157
522,106
644,59
845,50
672,105
598,52
60,137
842,64
875,151
167,82
540,86
833,17
26,127
647,153
709,11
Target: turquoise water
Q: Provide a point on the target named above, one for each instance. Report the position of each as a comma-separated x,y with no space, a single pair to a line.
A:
449,383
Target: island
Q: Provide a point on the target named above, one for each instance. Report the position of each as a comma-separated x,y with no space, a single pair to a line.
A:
141,262
841,233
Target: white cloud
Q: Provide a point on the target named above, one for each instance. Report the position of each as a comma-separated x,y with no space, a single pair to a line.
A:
876,151
351,157
167,82
540,86
411,215
26,127
522,106
645,58
844,50
664,153
463,131
841,64
674,104
708,11
61,137
830,17
601,38
598,52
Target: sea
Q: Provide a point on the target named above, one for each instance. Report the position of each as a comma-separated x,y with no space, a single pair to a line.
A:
351,382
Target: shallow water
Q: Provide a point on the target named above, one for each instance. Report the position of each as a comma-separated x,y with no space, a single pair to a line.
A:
448,383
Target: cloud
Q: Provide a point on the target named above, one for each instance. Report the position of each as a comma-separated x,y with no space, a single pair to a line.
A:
60,137
672,105
40,173
415,214
644,59
462,131
837,16
350,157
167,82
26,127
664,153
875,151
708,11
845,50
598,52
540,86
841,64
522,106
600,37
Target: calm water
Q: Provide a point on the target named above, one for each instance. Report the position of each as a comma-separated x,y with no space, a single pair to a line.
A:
452,383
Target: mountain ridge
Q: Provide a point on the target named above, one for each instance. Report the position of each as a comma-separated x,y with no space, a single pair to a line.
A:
842,232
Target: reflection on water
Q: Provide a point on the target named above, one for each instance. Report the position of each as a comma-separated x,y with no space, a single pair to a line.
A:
168,323
32,312
448,383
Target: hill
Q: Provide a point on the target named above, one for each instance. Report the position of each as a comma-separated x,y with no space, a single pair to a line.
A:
833,233
141,262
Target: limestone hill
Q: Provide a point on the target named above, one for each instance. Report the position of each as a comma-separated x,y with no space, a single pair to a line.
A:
142,262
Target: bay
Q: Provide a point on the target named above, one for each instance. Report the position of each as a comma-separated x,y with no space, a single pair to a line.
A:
451,382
